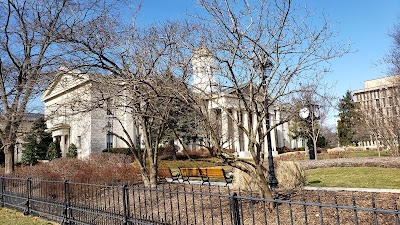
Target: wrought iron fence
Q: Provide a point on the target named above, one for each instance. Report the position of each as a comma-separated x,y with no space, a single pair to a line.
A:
172,203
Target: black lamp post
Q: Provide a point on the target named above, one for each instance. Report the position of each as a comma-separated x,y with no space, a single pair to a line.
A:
310,113
272,181
263,65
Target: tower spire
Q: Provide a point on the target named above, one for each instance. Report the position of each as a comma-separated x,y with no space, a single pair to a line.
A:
203,63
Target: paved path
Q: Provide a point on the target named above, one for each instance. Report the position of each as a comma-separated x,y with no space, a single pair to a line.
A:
377,190
352,189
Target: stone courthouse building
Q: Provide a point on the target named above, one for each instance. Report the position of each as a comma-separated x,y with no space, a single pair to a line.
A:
71,118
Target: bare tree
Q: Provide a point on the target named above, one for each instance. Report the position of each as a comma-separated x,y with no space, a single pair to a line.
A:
393,57
31,50
317,108
264,52
142,70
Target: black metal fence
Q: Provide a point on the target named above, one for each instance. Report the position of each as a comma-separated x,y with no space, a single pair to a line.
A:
171,203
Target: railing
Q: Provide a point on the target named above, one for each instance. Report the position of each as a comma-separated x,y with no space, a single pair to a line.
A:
171,203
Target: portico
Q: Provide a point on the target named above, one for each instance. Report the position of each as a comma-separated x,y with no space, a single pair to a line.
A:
61,133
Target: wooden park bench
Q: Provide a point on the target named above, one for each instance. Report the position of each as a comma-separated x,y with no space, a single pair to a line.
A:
187,173
164,173
207,173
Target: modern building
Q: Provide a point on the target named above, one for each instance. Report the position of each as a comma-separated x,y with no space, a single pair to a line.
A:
71,118
379,103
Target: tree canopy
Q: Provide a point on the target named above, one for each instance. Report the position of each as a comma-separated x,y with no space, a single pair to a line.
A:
346,123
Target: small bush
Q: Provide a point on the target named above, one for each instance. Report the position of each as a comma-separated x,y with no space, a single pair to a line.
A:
53,151
125,151
167,152
282,150
295,156
29,153
72,151
290,175
195,154
301,149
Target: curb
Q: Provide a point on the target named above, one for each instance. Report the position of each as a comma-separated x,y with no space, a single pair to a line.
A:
352,189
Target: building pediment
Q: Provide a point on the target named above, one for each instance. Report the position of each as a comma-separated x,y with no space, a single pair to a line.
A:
60,129
65,81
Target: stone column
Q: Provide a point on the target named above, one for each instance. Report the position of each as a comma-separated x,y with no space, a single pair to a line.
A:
128,124
246,127
279,138
62,146
273,135
255,121
265,137
235,138
224,129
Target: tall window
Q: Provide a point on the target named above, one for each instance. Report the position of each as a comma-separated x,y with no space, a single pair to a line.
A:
109,140
109,105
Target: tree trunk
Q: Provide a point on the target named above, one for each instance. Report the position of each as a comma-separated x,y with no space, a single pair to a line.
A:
315,148
378,147
146,180
153,175
9,159
262,182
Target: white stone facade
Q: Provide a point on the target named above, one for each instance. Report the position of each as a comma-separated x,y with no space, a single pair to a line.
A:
72,119
222,100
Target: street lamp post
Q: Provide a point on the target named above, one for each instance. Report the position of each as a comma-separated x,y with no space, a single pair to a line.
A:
272,181
310,113
263,67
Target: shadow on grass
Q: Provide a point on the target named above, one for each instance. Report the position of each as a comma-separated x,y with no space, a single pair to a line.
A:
314,182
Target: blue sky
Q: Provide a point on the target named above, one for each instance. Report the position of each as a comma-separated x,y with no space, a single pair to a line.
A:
365,24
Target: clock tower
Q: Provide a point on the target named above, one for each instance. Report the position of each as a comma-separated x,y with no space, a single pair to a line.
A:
203,79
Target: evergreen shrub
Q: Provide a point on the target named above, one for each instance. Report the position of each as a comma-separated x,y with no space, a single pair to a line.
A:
53,151
72,151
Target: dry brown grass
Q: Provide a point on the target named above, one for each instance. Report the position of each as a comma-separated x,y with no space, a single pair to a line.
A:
290,175
101,167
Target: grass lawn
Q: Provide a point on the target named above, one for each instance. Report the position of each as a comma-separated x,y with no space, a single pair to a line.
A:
8,216
366,154
354,177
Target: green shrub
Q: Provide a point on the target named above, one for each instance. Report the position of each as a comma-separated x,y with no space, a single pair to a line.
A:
167,152
29,153
124,151
53,151
72,151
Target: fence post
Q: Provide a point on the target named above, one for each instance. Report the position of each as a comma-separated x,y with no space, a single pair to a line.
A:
125,203
235,209
28,196
2,190
66,203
